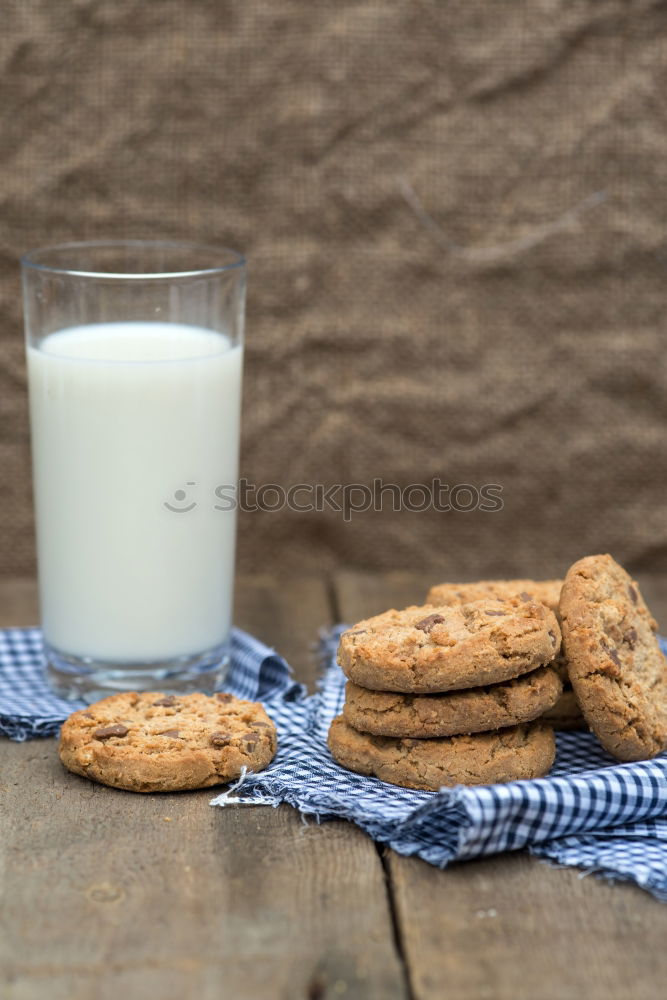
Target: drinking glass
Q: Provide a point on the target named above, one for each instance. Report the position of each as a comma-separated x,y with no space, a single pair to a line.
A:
134,354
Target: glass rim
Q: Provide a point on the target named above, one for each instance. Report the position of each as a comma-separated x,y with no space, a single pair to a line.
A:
31,259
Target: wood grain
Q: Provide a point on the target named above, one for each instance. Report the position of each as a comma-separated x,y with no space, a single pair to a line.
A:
108,894
286,616
360,595
511,927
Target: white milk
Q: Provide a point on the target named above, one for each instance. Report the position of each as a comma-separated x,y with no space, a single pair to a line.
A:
123,416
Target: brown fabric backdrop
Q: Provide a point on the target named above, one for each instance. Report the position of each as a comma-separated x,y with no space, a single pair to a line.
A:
455,217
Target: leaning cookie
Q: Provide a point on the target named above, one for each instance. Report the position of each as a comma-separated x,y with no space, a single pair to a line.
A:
477,710
152,742
426,650
481,759
617,669
545,591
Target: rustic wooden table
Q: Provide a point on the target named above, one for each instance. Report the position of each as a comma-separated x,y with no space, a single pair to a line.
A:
107,894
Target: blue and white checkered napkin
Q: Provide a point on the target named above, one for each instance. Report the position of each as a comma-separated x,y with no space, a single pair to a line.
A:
28,707
590,813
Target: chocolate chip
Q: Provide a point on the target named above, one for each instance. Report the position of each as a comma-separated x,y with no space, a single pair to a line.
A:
359,631
426,624
630,637
502,613
171,732
224,697
261,725
167,701
525,597
221,739
250,742
86,715
106,732
611,652
633,594
553,637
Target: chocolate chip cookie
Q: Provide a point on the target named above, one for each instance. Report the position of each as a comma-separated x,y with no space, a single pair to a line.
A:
481,759
426,650
152,742
566,714
477,710
618,672
545,591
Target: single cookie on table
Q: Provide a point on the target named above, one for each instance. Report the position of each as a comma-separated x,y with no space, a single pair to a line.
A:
152,742
566,714
477,710
526,751
545,591
617,669
426,650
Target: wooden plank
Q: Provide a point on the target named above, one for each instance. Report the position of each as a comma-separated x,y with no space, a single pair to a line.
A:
285,616
109,894
510,926
359,595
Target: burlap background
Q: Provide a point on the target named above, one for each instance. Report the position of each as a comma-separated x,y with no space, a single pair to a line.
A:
455,217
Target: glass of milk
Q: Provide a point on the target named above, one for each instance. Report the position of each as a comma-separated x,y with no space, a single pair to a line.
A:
135,353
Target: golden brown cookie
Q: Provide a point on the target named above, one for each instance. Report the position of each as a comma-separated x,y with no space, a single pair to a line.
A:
425,650
477,710
545,591
481,759
565,715
617,669
152,742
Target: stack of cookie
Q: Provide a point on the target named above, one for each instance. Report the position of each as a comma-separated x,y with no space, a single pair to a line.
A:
447,694
467,688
